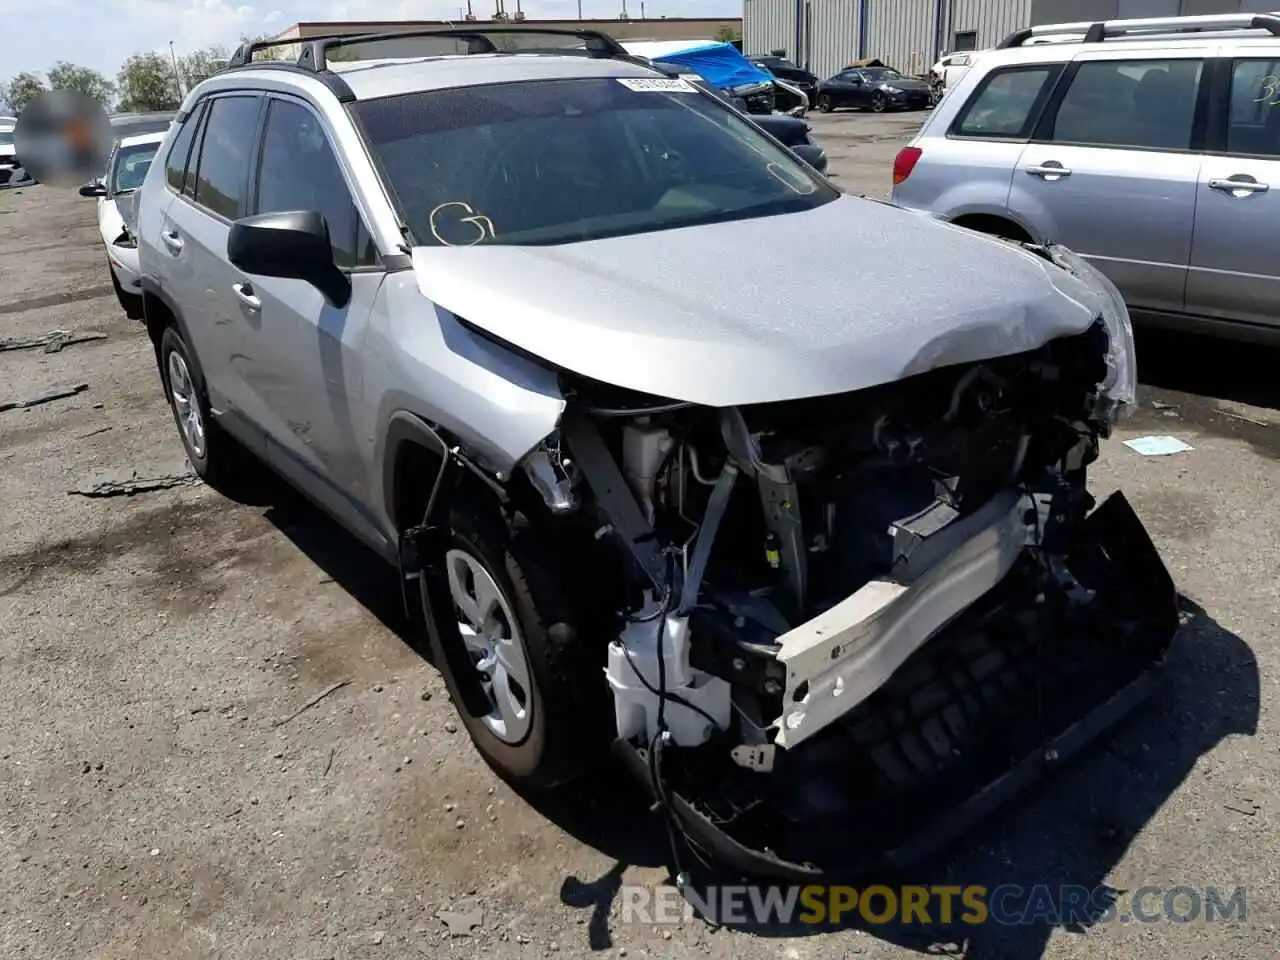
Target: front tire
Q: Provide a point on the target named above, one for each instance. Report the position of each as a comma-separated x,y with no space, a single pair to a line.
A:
879,103
525,666
130,303
825,104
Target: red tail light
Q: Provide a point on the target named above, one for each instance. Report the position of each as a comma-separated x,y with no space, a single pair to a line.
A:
904,163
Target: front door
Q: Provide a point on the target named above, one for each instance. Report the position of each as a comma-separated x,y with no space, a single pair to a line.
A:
310,381
1235,252
1112,173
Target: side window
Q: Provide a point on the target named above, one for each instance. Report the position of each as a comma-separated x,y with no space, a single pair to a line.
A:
1149,104
1253,118
298,171
176,162
1006,103
224,154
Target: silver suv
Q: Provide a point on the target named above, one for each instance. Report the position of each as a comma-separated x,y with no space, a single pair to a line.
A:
1155,154
504,302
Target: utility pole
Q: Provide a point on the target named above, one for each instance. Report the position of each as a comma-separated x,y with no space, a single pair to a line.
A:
177,75
579,9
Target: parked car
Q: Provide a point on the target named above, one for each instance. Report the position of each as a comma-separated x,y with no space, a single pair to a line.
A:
12,173
952,66
1153,151
721,64
791,132
127,167
873,88
519,323
784,69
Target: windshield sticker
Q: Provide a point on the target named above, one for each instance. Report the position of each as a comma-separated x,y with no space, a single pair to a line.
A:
462,225
656,85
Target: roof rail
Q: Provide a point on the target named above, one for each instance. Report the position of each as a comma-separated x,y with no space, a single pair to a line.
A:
243,56
317,52
1156,27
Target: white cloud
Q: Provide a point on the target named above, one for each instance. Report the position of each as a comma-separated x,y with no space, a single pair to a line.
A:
102,33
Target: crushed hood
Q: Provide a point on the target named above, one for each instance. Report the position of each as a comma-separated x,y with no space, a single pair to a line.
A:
850,295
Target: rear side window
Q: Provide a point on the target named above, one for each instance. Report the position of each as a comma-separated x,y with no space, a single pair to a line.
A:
224,154
1007,103
176,163
1253,121
1147,104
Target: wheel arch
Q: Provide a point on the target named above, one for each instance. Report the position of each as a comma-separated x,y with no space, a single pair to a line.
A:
994,224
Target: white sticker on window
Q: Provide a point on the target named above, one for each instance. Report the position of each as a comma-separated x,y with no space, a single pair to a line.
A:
659,85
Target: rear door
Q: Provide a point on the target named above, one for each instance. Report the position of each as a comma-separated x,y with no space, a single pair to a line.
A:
195,237
1235,252
966,167
1111,171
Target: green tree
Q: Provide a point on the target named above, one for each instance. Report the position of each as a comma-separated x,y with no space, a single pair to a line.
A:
727,34
147,83
202,64
21,89
71,76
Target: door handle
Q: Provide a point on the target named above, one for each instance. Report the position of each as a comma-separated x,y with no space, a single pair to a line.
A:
1049,170
245,292
172,240
1239,188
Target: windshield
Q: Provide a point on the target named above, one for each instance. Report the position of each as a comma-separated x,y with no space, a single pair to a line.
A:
560,161
881,74
777,62
131,165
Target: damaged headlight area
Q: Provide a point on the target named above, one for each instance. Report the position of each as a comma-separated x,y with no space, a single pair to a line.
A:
1118,391
846,619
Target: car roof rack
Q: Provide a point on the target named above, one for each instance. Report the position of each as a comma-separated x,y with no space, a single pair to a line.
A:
317,52
1146,28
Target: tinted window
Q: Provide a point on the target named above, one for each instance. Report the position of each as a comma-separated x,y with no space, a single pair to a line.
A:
1006,102
6,138
224,154
881,74
564,160
176,162
1253,122
1130,103
300,172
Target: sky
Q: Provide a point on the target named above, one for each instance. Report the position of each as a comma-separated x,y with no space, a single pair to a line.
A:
102,33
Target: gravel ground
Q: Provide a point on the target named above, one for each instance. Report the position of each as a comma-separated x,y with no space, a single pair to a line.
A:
161,797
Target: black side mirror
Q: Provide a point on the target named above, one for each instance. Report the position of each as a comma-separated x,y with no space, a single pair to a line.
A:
812,154
294,245
93,189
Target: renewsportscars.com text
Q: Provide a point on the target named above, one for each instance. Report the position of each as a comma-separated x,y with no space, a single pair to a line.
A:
1008,905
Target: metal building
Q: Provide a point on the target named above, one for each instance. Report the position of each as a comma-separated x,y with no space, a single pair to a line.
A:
825,35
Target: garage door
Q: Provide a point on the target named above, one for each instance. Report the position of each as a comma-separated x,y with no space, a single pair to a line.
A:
901,33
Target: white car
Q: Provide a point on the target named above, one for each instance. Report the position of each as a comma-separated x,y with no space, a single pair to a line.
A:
126,169
952,66
11,172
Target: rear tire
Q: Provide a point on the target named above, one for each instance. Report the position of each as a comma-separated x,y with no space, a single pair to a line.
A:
558,716
214,454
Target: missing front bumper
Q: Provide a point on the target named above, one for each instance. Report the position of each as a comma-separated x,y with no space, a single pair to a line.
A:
1007,691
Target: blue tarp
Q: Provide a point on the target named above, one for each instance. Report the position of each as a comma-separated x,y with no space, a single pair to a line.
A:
720,64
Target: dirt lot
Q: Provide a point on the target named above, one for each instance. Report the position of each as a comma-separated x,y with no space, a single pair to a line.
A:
157,801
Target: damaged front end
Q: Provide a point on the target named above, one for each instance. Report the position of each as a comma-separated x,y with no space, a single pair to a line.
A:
854,622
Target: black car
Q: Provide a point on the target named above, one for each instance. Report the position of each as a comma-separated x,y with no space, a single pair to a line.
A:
784,69
873,88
